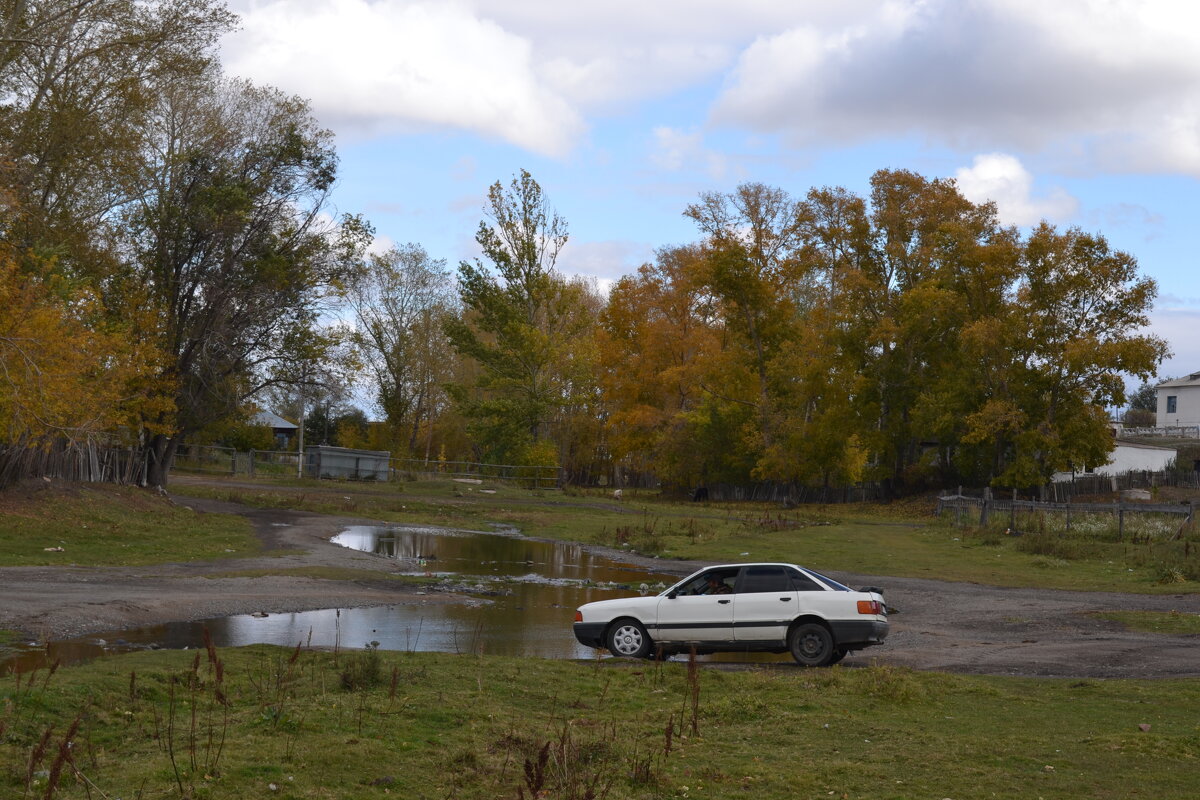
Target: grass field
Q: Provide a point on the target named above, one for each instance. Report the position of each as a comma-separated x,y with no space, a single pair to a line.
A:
1172,622
264,722
898,539
106,525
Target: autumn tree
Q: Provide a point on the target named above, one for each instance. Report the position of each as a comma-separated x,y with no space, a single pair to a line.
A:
659,332
752,238
1079,307
64,370
907,337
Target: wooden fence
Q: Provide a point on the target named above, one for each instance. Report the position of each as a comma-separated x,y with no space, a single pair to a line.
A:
68,460
1062,491
788,493
1018,517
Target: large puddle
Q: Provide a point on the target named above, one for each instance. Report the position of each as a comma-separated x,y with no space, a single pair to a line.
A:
523,596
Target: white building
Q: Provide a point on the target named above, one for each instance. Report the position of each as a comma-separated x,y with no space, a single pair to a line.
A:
1127,456
1179,402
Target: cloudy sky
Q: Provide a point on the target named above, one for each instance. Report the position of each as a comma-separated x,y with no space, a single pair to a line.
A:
1081,112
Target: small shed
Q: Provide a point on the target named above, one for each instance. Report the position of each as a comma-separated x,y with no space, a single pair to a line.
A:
322,461
283,430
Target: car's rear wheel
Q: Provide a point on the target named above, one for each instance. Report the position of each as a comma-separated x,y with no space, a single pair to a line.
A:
812,645
628,638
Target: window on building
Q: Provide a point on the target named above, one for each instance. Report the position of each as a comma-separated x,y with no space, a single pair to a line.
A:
1171,404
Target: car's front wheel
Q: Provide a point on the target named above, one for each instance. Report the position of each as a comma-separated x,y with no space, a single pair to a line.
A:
628,638
812,645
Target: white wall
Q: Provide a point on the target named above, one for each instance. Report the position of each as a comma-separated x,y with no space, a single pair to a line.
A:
1126,457
1187,406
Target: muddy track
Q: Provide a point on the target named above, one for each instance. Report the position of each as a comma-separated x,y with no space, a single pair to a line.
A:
938,625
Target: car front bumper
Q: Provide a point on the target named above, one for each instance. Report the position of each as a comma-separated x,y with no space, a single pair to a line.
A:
590,634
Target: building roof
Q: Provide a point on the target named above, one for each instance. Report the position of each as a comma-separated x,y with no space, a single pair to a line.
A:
1190,380
272,421
1143,445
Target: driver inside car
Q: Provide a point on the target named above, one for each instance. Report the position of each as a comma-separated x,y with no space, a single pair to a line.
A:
717,586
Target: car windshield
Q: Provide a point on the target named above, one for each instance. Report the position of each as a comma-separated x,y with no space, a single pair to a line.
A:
829,581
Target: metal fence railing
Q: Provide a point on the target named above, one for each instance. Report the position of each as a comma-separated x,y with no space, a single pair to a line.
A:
529,476
206,458
355,465
1170,431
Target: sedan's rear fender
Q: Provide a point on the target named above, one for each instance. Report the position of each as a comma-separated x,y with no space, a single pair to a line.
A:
806,618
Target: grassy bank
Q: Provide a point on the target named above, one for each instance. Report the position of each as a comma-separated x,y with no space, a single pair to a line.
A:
103,525
900,539
264,722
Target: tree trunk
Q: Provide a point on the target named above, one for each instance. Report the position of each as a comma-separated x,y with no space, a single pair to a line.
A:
159,455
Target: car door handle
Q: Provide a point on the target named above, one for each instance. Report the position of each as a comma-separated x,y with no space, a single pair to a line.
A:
723,602
784,599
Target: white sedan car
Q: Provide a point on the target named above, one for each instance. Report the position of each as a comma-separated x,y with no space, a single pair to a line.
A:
765,607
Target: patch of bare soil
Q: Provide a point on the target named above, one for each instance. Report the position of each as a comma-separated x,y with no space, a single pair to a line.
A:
937,625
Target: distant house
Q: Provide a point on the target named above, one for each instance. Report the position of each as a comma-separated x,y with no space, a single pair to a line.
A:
284,431
1179,402
1127,456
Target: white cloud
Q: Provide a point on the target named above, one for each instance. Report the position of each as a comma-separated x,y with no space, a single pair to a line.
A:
371,67
604,261
524,71
1177,325
1014,74
1108,84
675,150
380,245
1002,178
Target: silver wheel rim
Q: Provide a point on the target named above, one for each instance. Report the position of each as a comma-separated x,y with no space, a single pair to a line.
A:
627,640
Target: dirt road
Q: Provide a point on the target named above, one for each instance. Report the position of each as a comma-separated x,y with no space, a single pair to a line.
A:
954,627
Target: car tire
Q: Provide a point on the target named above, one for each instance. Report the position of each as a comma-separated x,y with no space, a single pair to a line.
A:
811,644
838,655
628,638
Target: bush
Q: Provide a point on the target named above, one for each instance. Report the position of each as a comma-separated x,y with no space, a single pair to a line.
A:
363,670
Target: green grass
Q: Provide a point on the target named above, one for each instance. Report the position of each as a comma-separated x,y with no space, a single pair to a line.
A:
896,540
1172,622
97,525
435,726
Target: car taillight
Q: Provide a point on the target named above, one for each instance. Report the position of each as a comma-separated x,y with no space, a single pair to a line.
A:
870,607
579,616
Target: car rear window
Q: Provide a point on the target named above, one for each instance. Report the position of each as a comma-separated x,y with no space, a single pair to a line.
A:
803,583
828,581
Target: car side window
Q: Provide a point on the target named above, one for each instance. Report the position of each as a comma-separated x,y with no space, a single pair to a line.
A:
803,583
713,582
764,579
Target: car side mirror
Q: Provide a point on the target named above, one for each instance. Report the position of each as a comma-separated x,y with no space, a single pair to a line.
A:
672,595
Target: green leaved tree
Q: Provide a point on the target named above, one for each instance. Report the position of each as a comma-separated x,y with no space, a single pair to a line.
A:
523,324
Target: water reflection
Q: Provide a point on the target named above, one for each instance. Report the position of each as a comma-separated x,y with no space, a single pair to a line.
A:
525,592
